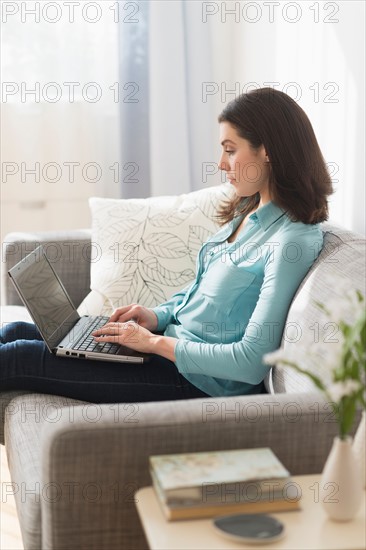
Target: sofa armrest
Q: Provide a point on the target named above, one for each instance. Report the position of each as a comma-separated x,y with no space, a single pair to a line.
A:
68,251
107,459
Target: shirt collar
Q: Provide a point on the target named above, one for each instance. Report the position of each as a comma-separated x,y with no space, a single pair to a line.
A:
267,214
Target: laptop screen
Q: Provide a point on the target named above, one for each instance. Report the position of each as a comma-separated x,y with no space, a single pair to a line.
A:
44,295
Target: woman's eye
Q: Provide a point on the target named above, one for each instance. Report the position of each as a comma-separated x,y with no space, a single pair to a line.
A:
230,152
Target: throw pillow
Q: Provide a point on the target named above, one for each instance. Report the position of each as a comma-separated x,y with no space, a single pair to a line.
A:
144,250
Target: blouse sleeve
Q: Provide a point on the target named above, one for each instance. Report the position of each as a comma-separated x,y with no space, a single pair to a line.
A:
164,311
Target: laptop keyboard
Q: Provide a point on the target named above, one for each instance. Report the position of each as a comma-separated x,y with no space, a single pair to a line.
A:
87,342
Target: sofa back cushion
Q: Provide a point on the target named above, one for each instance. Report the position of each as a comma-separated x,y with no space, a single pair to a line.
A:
339,267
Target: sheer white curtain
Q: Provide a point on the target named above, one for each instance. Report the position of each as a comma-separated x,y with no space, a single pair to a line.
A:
171,133
73,117
188,58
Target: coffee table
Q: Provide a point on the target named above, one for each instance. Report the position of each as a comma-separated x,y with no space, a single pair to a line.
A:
307,529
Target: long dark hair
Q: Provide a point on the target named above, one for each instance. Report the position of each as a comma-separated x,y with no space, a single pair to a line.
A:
299,181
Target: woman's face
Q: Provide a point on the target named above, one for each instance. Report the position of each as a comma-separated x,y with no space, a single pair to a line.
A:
246,168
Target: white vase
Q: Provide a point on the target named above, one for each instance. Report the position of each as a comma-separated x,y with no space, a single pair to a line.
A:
359,449
340,487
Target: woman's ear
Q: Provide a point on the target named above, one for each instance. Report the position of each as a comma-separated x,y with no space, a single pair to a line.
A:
264,154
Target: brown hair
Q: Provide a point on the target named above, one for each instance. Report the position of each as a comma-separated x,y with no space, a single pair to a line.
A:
299,181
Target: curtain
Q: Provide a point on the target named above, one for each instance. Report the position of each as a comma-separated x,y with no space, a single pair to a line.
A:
166,69
169,132
59,73
191,58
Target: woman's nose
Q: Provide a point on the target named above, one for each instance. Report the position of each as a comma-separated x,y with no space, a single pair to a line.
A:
222,165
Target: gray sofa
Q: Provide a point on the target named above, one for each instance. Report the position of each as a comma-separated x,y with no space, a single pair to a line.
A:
76,466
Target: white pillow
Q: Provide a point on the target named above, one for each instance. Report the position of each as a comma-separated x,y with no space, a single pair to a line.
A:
144,250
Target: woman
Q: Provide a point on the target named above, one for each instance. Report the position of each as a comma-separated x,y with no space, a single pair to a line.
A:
209,339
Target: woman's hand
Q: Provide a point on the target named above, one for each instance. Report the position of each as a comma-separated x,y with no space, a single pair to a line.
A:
138,338
128,334
144,316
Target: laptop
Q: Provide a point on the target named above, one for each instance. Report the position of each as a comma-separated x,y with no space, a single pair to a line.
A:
64,332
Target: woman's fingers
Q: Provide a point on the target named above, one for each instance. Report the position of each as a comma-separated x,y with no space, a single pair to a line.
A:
113,331
108,328
134,312
117,314
130,334
108,338
127,319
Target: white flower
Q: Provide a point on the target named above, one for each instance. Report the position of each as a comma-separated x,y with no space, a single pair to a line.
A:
330,349
342,389
306,352
346,308
328,353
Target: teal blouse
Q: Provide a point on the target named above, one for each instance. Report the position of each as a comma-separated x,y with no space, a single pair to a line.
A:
235,310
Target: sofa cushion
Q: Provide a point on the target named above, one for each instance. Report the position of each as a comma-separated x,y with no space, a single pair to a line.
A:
144,250
342,259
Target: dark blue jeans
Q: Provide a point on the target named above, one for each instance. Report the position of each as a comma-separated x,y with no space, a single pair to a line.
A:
26,364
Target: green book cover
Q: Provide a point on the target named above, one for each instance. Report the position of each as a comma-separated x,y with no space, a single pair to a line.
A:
177,474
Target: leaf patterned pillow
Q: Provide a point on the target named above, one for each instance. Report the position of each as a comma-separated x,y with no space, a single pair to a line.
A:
145,250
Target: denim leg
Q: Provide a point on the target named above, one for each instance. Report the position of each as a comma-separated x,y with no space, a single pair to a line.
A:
19,331
26,364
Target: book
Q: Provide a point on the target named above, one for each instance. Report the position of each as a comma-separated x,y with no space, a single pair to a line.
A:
197,485
223,492
210,510
188,475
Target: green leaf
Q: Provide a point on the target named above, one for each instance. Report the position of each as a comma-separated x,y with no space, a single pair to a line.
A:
348,413
322,307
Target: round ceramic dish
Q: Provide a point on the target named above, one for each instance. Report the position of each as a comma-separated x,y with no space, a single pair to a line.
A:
250,528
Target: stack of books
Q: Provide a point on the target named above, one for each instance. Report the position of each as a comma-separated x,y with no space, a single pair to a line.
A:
198,485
